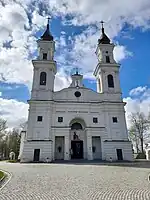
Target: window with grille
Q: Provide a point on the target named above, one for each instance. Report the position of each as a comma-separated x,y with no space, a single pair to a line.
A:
115,120
60,119
39,118
95,120
110,80
43,78
107,59
44,56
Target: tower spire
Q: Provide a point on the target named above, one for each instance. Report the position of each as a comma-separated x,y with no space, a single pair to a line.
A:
104,39
102,22
48,20
47,35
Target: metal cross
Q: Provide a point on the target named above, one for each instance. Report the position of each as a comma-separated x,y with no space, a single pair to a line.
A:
77,70
49,19
102,22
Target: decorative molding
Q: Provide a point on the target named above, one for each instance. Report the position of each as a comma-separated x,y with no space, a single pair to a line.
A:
39,141
88,127
68,127
77,102
94,112
83,111
95,127
60,111
116,141
71,111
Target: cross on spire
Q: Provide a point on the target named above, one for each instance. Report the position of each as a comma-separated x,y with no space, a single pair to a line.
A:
77,70
104,39
48,18
102,22
47,35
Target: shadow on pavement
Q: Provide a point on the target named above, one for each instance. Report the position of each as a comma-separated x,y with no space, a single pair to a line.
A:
136,163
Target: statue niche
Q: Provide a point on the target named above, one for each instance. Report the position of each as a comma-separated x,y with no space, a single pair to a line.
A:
76,126
75,136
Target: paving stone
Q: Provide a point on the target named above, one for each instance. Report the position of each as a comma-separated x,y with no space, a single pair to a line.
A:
71,182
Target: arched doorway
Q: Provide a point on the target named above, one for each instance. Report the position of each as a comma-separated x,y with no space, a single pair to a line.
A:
76,141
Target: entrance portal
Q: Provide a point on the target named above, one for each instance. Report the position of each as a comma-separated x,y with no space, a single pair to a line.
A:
77,149
119,154
36,157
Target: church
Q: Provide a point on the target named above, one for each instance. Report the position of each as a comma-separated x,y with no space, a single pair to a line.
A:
75,122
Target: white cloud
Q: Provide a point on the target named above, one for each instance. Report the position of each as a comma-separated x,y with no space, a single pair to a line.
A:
139,103
17,68
0,94
137,91
14,64
13,111
82,54
61,80
121,52
16,15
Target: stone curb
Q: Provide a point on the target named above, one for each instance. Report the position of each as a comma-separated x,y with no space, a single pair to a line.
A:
2,178
149,178
5,179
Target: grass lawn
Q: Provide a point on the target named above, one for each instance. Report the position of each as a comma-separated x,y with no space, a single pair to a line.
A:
12,161
1,174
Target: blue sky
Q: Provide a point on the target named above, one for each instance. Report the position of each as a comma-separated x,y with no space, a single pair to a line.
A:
75,26
135,70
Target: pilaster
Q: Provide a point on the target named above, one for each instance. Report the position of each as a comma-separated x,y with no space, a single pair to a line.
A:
67,152
89,146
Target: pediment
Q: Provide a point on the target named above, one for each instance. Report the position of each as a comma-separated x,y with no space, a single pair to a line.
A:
78,94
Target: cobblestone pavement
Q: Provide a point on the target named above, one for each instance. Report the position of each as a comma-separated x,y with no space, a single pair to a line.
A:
71,182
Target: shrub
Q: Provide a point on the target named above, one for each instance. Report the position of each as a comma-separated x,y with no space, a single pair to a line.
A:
141,156
1,174
12,161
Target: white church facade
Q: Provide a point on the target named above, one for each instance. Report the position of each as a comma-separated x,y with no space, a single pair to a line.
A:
75,122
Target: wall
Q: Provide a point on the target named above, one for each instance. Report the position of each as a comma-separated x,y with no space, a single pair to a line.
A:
45,150
39,130
110,150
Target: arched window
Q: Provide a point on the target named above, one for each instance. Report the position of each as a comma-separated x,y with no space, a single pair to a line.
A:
43,78
107,59
110,81
76,126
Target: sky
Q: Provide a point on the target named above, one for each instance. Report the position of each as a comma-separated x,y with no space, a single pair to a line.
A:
75,25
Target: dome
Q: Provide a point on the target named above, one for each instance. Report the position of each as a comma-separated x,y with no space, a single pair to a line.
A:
104,39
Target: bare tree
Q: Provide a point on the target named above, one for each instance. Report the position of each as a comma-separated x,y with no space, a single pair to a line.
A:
138,131
3,127
134,138
9,140
13,141
22,125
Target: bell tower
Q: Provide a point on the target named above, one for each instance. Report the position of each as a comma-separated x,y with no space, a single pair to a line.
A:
107,69
77,80
44,67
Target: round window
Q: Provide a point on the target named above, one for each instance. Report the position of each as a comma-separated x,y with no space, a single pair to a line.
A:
77,94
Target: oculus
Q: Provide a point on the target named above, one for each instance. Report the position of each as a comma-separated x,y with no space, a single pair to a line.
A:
77,94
